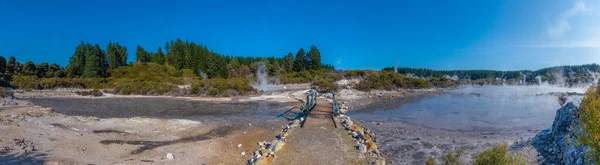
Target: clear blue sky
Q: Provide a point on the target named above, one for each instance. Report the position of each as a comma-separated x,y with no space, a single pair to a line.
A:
505,35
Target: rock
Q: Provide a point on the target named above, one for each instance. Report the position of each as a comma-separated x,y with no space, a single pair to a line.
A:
249,124
362,148
243,153
366,137
277,145
354,134
170,156
371,146
355,128
554,144
378,123
239,145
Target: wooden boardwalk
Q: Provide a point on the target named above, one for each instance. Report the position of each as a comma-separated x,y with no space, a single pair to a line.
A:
322,108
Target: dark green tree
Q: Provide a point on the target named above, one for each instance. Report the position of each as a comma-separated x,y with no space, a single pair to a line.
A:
142,55
42,69
29,69
159,57
115,53
299,62
12,65
77,61
95,64
288,62
2,65
53,71
315,58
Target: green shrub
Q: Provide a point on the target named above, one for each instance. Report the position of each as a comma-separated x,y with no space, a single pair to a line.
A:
32,82
386,80
307,76
498,155
453,158
588,118
94,93
442,82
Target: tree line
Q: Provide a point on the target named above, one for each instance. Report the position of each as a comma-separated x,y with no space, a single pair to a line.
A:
92,61
578,72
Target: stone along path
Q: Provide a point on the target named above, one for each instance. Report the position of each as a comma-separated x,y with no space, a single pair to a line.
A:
319,142
319,138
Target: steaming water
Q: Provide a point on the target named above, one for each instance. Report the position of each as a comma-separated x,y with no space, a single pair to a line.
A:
484,108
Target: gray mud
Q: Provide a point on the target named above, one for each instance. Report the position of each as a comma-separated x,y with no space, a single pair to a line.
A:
156,107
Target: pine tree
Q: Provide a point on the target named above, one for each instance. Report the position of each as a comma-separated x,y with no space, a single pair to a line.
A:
142,55
121,55
77,61
299,63
114,55
2,65
95,62
159,58
288,62
315,58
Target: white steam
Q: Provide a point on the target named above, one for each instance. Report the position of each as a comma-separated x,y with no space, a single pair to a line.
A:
262,83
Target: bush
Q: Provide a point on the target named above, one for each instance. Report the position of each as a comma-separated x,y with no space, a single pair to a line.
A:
453,158
588,118
6,93
442,82
387,80
94,93
498,155
307,76
33,82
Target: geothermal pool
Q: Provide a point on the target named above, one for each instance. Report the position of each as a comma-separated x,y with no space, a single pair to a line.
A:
479,108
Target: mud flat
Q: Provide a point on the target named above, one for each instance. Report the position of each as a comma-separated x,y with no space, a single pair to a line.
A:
136,130
410,128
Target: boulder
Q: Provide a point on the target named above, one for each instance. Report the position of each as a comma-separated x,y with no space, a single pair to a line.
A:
555,144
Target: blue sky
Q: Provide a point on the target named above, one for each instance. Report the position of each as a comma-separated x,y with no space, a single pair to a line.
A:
504,35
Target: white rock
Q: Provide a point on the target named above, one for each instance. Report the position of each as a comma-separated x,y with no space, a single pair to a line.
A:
170,156
243,153
249,124
239,145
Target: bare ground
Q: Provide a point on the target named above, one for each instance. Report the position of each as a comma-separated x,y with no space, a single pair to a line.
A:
58,139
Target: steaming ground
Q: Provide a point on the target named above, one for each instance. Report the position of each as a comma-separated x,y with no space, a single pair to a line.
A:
412,128
409,125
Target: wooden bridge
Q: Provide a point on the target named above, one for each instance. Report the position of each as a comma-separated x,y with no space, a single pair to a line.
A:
314,107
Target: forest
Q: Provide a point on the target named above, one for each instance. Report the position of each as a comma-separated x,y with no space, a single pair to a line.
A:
159,72
569,75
